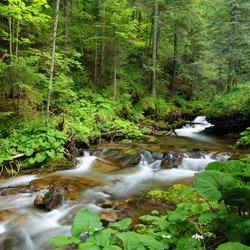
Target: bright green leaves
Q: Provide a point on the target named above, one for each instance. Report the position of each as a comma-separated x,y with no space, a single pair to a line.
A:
85,221
100,238
210,184
232,246
38,145
63,240
123,224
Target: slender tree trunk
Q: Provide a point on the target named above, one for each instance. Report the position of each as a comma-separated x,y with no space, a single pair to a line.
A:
231,62
65,24
10,35
154,47
114,96
52,62
175,58
103,45
17,32
96,54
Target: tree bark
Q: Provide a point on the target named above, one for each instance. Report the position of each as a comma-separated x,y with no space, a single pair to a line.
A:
115,48
175,58
96,54
65,24
52,62
103,45
154,47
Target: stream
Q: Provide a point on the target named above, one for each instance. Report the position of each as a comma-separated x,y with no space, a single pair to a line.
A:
104,185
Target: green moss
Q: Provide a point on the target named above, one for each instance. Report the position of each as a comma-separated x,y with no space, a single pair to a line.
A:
131,152
171,195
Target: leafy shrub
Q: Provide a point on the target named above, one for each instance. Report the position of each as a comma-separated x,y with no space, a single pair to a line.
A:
235,102
38,145
244,140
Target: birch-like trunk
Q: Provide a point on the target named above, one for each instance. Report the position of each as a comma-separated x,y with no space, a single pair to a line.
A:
65,24
114,96
154,47
52,62
96,54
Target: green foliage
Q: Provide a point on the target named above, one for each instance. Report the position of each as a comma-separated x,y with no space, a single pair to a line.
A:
244,140
172,195
232,103
189,226
38,144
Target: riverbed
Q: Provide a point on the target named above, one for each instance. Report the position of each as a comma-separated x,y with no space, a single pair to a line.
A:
110,186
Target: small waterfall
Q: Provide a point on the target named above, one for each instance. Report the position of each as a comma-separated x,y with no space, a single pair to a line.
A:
192,130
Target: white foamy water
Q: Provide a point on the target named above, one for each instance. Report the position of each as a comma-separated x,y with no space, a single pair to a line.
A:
83,165
17,181
192,131
194,164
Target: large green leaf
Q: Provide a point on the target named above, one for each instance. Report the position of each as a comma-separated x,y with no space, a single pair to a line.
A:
123,224
113,247
187,243
100,238
40,157
63,240
208,217
85,221
214,166
211,182
88,246
233,166
29,151
232,246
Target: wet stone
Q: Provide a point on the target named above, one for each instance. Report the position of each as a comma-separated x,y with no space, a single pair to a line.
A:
39,201
107,217
52,200
171,160
121,158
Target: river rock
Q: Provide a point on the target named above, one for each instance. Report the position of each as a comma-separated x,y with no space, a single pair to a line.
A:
107,217
171,160
39,202
122,158
52,200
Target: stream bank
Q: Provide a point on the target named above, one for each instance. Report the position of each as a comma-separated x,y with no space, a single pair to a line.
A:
112,179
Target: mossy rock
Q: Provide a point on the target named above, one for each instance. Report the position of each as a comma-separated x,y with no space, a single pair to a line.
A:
171,195
171,114
131,152
126,141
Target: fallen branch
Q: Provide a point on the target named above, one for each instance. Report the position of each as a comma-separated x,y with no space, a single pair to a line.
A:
171,130
17,156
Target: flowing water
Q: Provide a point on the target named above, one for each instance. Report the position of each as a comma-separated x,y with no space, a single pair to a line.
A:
28,227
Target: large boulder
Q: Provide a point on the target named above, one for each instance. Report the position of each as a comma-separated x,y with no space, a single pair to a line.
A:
52,200
120,157
171,160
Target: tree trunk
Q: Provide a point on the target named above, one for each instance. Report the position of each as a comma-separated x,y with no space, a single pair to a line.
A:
114,96
10,34
175,58
154,47
231,62
103,45
52,62
96,54
17,32
65,24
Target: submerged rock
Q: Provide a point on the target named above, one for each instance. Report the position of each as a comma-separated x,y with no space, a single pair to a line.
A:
122,158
